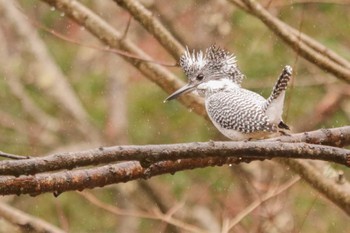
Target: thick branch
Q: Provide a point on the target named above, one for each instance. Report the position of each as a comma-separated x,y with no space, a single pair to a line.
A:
154,26
98,177
338,137
309,41
123,172
149,154
108,35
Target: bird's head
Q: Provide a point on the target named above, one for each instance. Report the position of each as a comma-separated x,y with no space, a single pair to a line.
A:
214,64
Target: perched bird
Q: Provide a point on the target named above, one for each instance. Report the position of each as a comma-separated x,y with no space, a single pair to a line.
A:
238,113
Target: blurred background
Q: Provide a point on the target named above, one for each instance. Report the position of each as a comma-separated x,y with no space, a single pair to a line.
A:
60,96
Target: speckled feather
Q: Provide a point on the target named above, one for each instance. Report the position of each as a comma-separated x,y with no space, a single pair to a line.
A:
239,109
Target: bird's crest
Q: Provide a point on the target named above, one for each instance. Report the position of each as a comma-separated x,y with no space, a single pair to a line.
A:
215,62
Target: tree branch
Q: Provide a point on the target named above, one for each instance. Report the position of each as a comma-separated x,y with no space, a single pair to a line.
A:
303,45
338,137
157,215
26,222
154,26
12,156
267,196
113,38
49,77
337,192
148,154
315,45
98,177
123,172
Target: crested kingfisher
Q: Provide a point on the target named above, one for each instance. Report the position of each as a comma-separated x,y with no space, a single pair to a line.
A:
238,113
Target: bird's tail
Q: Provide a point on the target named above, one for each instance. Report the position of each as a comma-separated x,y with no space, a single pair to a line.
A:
274,104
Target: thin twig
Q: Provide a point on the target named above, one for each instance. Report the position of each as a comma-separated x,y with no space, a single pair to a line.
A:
12,156
140,214
125,33
104,49
271,194
337,193
158,198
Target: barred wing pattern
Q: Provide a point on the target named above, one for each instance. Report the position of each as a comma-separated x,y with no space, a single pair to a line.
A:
240,110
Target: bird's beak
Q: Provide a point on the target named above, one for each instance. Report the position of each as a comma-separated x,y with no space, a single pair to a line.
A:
182,90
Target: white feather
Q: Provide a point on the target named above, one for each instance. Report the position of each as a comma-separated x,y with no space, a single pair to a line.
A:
275,109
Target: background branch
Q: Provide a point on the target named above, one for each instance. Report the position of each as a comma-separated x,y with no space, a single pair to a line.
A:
48,76
113,38
337,192
297,43
26,222
154,26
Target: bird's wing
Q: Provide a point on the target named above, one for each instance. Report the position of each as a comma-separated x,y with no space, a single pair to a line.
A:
239,110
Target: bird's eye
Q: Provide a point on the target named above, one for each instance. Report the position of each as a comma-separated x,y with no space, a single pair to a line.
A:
200,77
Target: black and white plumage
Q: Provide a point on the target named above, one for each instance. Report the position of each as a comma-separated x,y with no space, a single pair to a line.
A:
238,113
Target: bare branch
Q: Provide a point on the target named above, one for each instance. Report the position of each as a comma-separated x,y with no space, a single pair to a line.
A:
318,47
18,90
260,201
154,26
113,38
104,49
25,221
148,154
338,137
98,177
337,192
309,49
123,172
48,76
158,216
11,156
28,105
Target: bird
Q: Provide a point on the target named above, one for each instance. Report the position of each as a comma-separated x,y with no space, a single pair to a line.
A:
238,113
